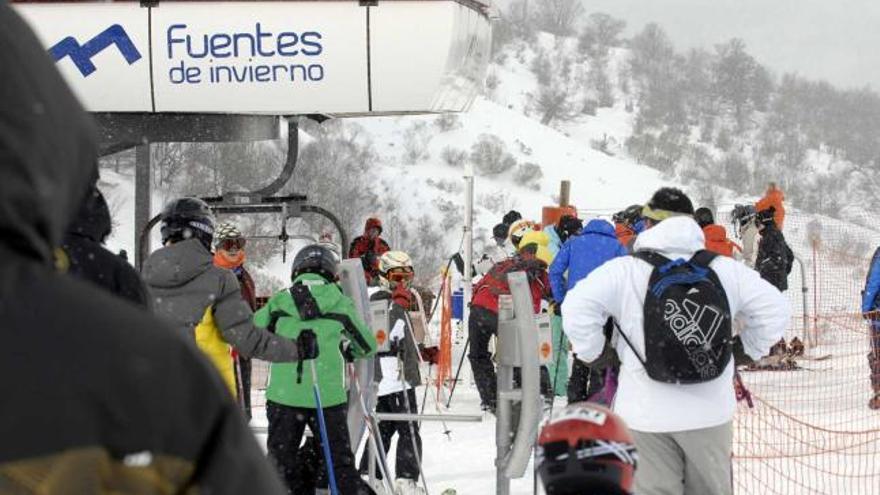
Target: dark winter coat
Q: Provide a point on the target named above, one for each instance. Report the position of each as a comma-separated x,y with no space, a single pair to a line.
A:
581,254
369,250
773,260
89,260
98,396
409,346
185,284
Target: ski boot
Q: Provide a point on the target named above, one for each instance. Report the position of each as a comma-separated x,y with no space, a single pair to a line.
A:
779,349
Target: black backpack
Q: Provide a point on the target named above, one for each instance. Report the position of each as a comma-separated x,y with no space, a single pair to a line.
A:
688,331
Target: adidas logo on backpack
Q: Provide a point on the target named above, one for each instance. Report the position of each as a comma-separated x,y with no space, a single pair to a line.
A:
688,331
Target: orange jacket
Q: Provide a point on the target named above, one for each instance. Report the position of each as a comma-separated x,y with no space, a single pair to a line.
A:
717,241
624,234
774,197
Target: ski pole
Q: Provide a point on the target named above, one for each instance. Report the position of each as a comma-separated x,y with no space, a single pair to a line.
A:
412,335
458,371
325,442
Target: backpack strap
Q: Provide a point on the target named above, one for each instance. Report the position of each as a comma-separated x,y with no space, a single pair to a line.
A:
653,258
703,257
629,344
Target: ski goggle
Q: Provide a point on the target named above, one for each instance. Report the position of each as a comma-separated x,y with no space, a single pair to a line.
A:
400,274
233,244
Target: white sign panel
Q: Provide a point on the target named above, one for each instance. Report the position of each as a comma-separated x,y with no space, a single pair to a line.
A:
293,57
427,55
274,57
102,50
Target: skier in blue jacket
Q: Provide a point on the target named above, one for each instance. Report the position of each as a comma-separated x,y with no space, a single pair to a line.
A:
580,255
871,312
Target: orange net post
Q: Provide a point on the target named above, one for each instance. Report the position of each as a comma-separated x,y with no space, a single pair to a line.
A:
444,363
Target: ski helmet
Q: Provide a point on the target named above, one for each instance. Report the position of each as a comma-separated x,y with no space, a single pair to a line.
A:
228,237
316,259
511,217
586,448
704,217
766,216
568,226
742,215
630,216
667,202
395,267
187,218
519,229
499,233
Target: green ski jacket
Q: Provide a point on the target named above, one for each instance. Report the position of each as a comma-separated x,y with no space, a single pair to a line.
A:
338,322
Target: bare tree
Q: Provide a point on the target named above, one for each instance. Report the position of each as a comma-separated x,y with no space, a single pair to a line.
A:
558,16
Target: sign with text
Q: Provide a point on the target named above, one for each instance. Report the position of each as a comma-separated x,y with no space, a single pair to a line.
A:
282,58
278,57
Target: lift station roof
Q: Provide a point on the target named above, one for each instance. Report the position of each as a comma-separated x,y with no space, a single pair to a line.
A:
268,57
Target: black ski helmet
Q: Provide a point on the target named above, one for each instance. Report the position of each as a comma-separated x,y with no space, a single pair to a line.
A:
766,216
499,232
704,217
187,218
569,225
316,259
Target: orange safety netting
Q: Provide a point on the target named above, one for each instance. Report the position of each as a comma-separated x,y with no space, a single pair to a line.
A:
810,430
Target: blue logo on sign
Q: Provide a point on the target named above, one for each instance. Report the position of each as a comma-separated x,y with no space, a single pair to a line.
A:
81,55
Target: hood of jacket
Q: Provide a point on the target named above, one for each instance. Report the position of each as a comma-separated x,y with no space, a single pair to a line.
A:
177,264
93,220
601,227
48,153
676,237
372,223
715,233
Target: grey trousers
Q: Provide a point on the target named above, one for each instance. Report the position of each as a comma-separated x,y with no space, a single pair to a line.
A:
693,462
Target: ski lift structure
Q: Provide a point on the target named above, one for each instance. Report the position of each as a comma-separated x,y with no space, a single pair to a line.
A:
233,71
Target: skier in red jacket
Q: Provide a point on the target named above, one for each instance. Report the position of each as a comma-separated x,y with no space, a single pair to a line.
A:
369,247
483,322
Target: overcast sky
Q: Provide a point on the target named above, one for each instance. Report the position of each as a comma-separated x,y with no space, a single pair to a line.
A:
835,40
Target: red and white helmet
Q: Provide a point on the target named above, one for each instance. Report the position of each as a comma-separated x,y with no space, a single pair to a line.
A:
586,449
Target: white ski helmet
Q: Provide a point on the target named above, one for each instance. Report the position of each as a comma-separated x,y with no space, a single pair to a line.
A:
394,267
519,229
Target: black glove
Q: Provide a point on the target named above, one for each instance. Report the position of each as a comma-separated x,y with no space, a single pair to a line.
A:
307,345
740,357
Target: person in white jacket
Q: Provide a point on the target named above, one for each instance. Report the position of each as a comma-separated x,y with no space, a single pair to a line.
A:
683,432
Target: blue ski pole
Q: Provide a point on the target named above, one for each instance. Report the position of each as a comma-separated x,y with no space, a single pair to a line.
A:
325,442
